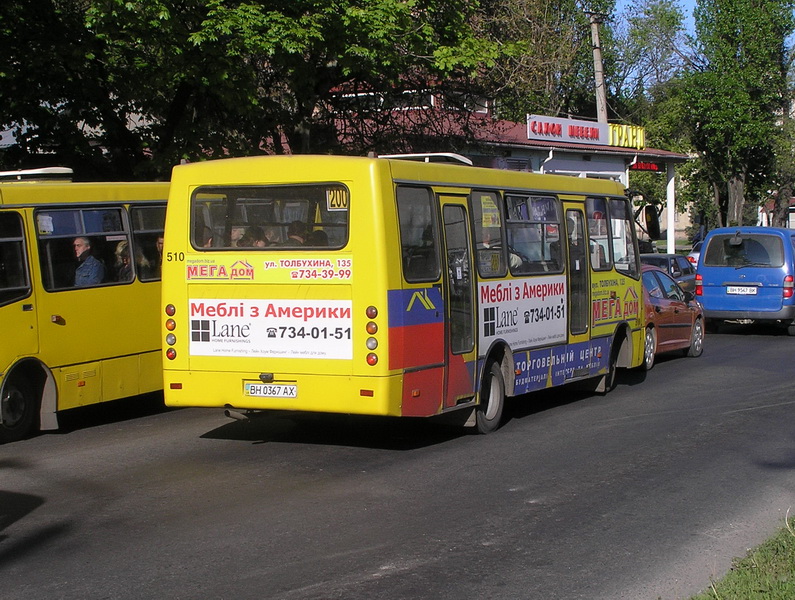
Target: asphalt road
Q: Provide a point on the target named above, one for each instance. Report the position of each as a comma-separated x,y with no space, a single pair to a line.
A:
645,493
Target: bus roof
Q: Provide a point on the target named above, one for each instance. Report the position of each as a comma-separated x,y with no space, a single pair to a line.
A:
305,168
37,193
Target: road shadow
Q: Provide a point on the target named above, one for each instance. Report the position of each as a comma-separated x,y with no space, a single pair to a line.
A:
750,329
116,411
386,433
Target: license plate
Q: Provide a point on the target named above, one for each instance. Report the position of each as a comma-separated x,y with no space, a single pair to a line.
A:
271,390
742,290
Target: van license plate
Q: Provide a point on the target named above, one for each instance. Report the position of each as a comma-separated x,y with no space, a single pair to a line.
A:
271,390
742,290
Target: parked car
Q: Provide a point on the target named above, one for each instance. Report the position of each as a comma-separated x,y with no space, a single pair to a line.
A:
676,266
694,253
747,274
674,319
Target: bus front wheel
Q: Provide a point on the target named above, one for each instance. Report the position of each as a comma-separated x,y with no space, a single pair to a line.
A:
17,410
488,413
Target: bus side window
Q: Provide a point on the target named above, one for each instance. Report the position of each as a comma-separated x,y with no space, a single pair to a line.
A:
598,233
147,225
533,230
418,235
487,221
622,225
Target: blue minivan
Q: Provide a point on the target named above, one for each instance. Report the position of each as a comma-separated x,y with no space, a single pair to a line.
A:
747,274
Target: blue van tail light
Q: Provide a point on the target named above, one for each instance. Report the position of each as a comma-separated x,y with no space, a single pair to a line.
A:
789,286
699,285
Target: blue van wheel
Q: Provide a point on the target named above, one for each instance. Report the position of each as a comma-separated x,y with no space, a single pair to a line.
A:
791,328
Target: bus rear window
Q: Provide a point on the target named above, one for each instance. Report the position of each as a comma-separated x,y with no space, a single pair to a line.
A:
273,217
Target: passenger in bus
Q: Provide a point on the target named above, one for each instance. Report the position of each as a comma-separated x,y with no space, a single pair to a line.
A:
123,267
489,241
254,237
317,238
577,252
297,232
90,271
159,246
236,235
207,237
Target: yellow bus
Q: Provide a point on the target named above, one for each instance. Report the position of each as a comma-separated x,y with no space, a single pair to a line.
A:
79,296
384,286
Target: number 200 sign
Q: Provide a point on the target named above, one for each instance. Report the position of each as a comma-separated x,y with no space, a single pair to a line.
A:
337,199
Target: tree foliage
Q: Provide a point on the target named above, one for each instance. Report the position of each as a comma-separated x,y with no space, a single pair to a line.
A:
127,88
734,96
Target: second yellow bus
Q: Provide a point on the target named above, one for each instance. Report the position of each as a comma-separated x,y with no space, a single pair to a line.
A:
79,293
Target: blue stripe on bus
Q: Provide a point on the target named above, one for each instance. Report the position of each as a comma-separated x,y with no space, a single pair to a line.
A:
415,307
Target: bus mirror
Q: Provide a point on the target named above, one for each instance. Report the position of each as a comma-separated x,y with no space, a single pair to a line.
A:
651,221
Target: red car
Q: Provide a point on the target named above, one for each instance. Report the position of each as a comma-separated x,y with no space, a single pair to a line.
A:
674,319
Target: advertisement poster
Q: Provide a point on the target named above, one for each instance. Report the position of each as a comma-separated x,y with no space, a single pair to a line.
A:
319,329
525,313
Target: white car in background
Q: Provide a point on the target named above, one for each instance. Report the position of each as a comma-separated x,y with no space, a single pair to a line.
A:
694,254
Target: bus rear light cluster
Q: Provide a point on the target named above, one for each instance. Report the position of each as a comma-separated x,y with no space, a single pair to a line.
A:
171,325
789,286
372,329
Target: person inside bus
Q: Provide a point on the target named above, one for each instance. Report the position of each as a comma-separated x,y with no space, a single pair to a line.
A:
491,238
123,266
297,232
254,237
236,234
317,238
577,252
159,247
90,271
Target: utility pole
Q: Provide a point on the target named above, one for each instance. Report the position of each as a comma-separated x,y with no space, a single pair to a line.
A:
599,75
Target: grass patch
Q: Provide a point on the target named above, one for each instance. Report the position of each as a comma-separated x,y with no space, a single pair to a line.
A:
766,573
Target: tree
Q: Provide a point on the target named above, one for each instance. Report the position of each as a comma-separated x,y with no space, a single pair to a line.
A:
648,41
733,95
127,88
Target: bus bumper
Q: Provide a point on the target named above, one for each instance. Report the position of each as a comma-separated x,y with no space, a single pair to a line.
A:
245,391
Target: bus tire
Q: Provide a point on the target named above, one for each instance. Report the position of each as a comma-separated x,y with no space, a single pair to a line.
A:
649,348
19,406
609,380
488,413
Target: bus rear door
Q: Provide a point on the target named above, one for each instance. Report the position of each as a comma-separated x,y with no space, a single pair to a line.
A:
461,350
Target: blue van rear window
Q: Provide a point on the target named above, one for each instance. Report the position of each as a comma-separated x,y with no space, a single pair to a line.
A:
747,249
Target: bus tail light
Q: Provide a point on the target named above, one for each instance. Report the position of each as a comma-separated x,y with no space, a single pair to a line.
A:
372,328
171,310
699,285
171,354
789,286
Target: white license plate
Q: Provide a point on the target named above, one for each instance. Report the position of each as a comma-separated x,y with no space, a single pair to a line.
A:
271,390
742,290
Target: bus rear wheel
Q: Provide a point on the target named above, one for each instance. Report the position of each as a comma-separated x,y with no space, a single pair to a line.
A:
488,414
17,409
